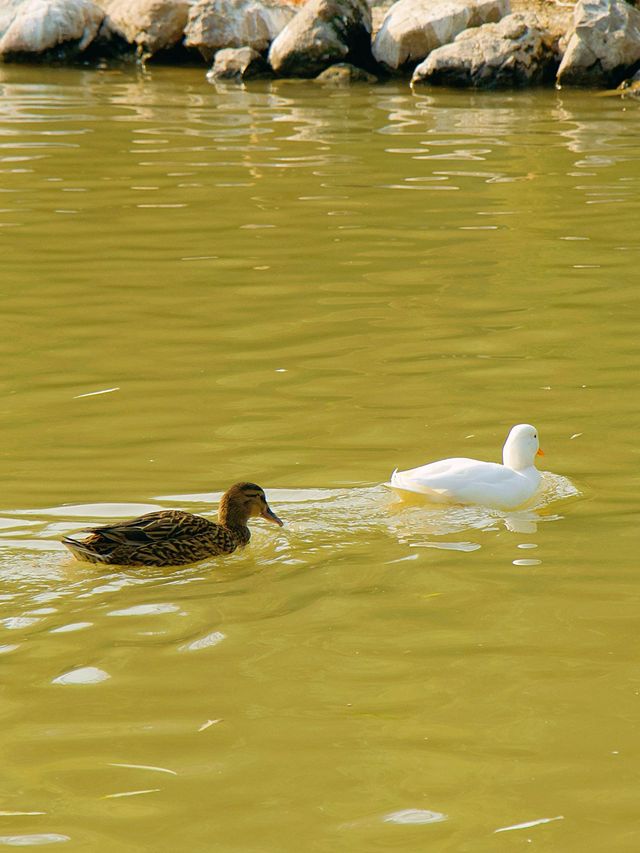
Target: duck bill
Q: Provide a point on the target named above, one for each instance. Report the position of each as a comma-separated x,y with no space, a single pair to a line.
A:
539,452
270,515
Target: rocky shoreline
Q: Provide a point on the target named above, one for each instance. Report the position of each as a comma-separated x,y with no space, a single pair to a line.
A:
481,44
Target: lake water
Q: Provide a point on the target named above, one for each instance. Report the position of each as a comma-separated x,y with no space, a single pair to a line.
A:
307,287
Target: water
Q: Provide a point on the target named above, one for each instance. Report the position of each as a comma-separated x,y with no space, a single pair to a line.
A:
309,287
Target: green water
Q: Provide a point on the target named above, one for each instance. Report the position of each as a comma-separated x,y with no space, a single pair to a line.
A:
307,287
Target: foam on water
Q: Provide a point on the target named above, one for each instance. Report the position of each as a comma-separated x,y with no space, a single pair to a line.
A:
314,518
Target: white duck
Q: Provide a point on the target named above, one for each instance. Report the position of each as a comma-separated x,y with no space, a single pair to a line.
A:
469,481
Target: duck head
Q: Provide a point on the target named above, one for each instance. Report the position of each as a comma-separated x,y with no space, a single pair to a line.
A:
521,447
242,502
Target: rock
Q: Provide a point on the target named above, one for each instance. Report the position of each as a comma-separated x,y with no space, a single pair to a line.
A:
604,45
413,28
556,18
35,27
150,25
379,11
322,33
239,63
514,52
343,74
628,88
217,24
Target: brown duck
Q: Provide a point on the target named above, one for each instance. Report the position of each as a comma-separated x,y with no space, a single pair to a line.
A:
172,537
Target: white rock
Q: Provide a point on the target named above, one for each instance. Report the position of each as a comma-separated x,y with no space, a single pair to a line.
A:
217,24
413,28
514,52
149,24
322,33
35,26
604,44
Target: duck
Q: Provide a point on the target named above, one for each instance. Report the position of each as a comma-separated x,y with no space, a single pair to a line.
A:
172,537
470,481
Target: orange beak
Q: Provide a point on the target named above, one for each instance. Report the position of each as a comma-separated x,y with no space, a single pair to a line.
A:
540,452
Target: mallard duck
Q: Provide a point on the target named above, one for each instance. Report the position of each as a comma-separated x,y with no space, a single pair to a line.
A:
172,537
468,481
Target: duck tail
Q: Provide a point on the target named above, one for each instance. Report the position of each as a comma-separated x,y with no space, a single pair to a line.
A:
82,552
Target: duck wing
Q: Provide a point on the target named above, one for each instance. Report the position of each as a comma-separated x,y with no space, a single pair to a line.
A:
468,481
165,538
156,528
446,475
450,473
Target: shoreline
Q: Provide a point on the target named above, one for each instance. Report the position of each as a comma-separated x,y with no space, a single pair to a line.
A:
476,44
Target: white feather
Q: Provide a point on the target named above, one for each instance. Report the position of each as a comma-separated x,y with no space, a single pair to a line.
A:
469,481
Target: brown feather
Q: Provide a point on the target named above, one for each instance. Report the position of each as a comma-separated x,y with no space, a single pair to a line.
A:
173,537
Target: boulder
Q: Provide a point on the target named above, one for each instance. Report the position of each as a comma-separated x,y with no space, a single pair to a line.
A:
604,45
36,27
514,52
343,74
556,18
238,63
413,28
217,24
322,33
150,25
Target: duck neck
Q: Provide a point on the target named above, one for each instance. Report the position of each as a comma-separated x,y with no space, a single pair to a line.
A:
230,517
511,458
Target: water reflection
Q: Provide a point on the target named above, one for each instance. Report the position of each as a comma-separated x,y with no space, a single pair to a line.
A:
258,127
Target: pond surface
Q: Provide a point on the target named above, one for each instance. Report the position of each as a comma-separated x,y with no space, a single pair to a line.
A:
308,287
